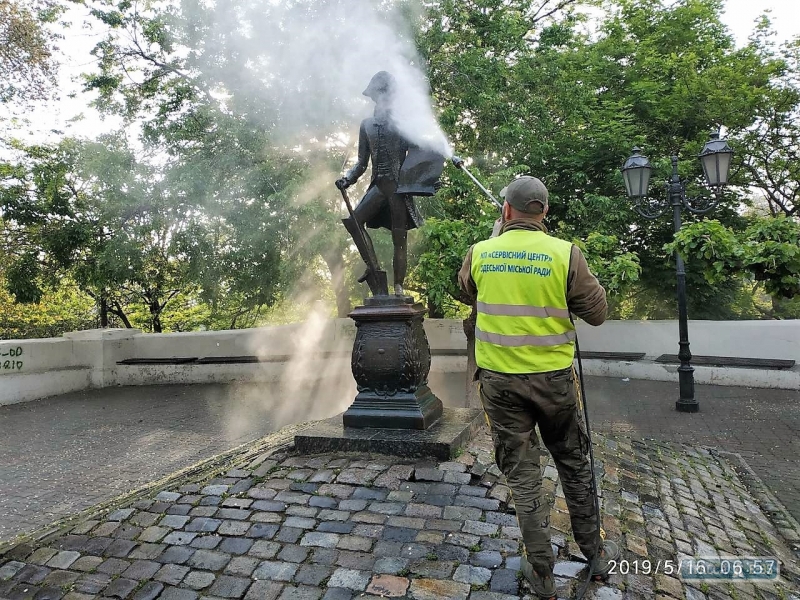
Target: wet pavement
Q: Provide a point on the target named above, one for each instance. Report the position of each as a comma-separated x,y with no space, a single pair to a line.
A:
65,454
278,525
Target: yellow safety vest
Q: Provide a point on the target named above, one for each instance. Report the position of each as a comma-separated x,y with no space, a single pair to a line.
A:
523,322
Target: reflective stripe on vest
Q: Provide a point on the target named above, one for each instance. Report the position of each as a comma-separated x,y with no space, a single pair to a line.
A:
512,341
513,310
523,321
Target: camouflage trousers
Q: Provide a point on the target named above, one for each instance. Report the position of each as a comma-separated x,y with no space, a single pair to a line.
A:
515,405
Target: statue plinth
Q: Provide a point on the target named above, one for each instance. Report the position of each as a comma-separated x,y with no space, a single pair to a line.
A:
391,362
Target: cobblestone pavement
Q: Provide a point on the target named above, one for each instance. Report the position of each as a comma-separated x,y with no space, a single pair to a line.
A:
760,424
68,453
61,455
284,526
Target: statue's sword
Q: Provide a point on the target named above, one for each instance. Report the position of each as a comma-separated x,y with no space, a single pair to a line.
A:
371,264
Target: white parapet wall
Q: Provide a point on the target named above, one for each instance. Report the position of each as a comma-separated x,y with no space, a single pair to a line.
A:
736,339
31,369
319,349
745,339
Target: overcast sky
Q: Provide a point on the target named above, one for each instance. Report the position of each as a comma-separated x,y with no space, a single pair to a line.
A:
78,41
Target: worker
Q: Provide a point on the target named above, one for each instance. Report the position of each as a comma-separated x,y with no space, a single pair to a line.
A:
525,284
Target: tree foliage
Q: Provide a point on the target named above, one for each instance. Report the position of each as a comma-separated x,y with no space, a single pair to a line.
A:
27,68
271,210
133,233
768,250
772,156
90,210
568,106
60,310
214,216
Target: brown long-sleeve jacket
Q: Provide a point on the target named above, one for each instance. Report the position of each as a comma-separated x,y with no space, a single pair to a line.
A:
586,298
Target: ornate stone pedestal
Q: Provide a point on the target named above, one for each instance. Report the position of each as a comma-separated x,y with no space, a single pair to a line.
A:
391,362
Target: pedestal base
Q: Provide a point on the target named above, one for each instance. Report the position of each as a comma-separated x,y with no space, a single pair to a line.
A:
686,406
391,361
452,431
419,410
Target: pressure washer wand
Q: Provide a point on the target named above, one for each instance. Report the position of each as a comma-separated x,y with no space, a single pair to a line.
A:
459,163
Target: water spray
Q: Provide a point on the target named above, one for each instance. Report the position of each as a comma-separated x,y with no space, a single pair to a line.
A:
459,164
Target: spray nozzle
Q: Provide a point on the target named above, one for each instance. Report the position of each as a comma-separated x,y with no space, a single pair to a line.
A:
459,163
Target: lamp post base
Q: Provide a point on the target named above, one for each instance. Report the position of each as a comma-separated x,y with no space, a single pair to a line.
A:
687,406
686,400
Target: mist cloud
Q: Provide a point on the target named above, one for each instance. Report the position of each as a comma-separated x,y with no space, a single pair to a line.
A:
300,66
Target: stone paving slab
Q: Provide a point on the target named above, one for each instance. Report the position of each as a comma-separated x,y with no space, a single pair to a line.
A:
339,526
762,425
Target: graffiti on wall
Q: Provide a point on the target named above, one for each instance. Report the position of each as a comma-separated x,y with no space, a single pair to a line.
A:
11,358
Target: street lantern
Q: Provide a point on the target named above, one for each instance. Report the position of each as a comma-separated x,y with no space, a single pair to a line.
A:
716,161
636,173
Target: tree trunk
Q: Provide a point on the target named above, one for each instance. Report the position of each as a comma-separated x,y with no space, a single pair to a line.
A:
435,311
776,308
103,311
155,313
117,310
338,272
473,399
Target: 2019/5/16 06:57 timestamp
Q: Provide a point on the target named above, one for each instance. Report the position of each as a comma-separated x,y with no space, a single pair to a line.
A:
751,567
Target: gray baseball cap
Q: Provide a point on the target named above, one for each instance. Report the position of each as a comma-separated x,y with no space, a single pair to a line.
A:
527,194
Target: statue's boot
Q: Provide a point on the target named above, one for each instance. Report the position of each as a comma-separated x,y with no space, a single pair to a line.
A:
375,278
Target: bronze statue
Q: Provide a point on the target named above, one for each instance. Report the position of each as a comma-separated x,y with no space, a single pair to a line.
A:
400,171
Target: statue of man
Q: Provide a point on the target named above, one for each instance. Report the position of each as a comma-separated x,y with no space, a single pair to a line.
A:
389,199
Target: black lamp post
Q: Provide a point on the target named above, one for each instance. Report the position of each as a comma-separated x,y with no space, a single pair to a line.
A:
716,161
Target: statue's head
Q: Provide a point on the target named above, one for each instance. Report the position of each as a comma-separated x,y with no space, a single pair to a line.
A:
381,87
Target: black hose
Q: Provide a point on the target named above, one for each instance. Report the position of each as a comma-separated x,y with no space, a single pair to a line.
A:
585,586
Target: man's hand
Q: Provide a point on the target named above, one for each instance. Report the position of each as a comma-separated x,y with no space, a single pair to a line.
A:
498,226
343,183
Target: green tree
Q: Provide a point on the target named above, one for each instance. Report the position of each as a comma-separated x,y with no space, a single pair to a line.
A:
91,211
270,219
567,107
27,67
772,144
766,253
60,310
220,215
